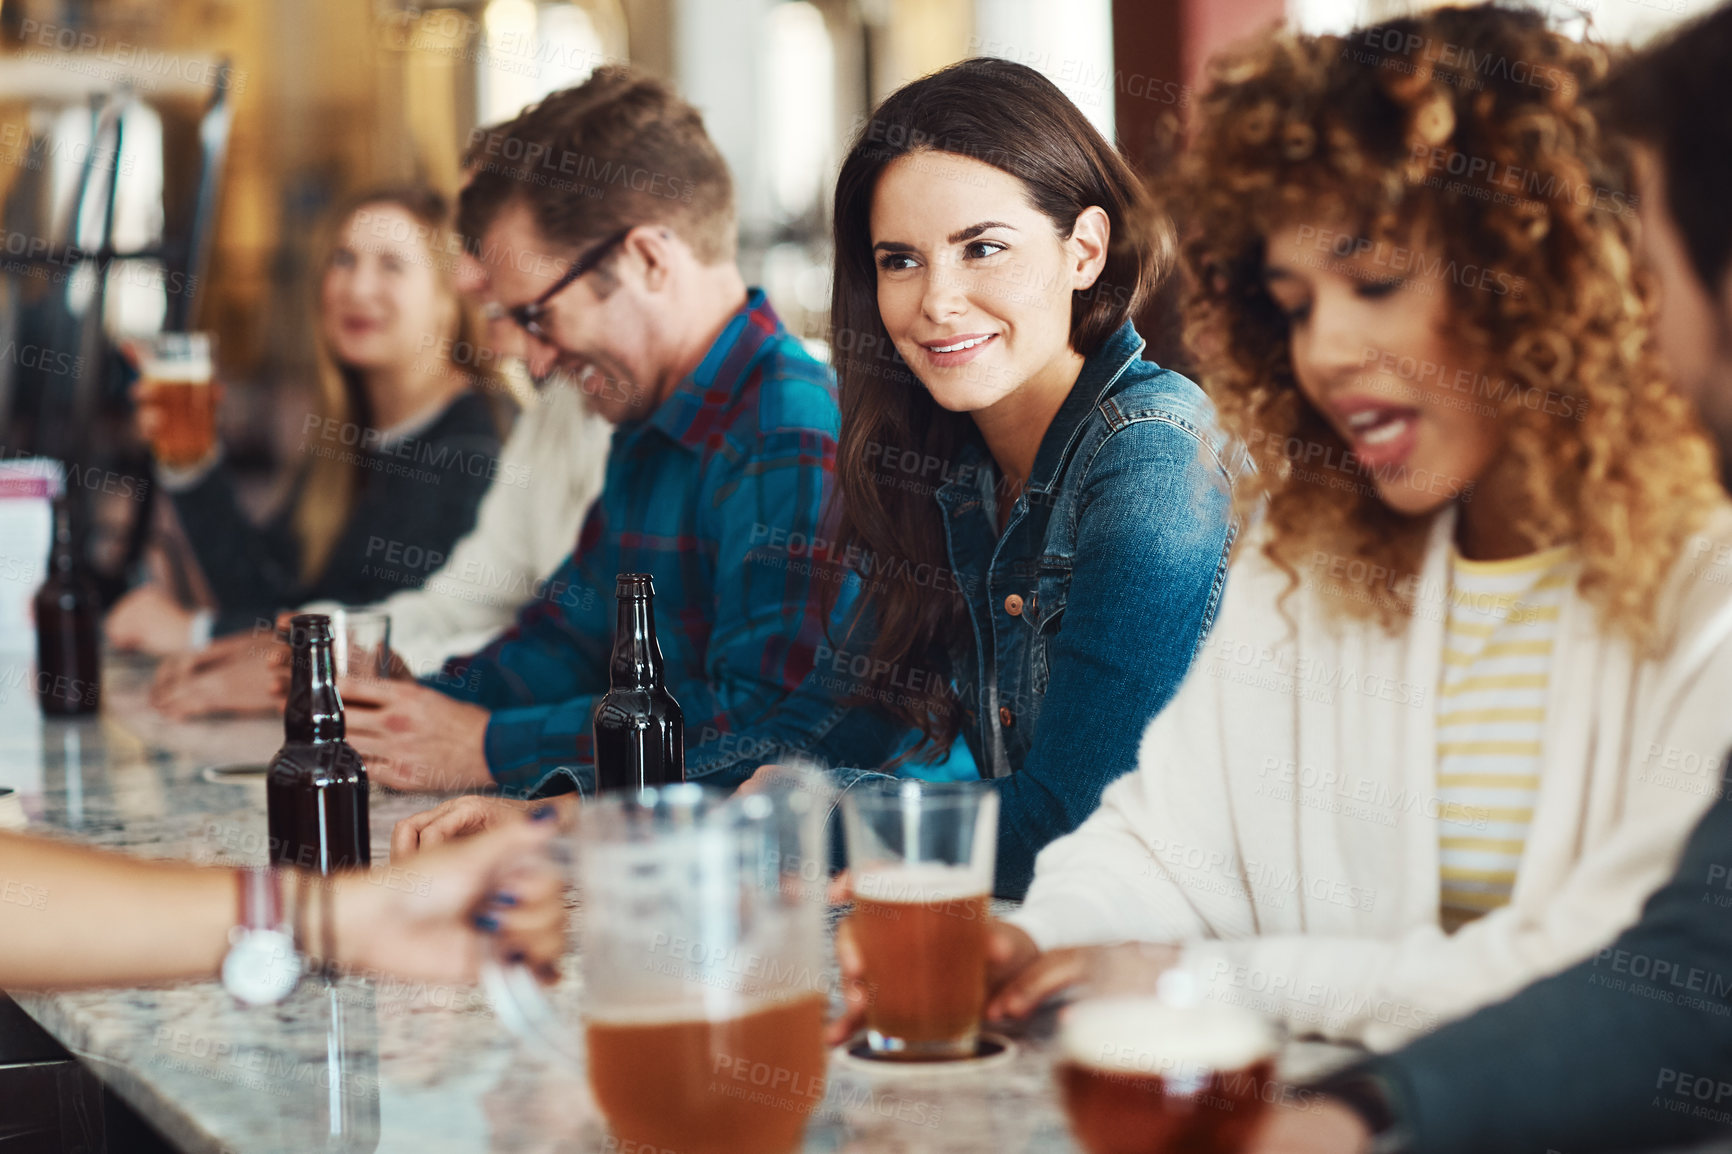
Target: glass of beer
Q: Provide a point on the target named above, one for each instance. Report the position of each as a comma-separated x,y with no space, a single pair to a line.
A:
704,980
921,855
1143,1074
175,379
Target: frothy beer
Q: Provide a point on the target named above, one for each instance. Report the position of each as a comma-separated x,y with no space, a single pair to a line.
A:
673,1079
921,930
1140,1076
180,391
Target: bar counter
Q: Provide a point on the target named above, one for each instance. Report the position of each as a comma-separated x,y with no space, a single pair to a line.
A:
384,1065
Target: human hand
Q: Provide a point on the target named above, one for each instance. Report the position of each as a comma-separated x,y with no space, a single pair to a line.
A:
415,738
149,620
1009,951
856,995
1030,979
240,673
759,781
460,903
1321,1126
469,815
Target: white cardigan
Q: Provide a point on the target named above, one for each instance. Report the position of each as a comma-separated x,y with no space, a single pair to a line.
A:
1282,819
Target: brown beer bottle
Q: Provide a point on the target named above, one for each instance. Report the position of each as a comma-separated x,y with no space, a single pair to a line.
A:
68,656
316,794
640,733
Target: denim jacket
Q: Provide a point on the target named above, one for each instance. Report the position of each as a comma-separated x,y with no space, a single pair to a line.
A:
1086,611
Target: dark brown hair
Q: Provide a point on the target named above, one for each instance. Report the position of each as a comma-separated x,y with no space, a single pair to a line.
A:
620,149
1677,96
1010,117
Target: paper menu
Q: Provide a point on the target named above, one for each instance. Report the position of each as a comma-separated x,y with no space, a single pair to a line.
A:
27,488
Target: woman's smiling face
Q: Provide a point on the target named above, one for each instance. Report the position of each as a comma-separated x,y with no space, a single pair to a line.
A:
974,281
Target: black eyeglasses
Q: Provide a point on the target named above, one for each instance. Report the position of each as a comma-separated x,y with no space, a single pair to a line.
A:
528,316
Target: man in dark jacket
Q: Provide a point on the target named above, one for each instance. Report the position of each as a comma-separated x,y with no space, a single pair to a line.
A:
1632,1048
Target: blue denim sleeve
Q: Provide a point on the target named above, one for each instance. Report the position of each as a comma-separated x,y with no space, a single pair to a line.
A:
1153,533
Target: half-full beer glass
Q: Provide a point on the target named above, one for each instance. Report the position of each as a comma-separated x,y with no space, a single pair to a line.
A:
704,981
921,855
175,378
1145,1067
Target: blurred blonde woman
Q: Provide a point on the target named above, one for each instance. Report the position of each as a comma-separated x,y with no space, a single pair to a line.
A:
1458,711
393,457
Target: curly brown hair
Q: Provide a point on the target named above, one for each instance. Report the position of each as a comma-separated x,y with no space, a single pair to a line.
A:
1467,125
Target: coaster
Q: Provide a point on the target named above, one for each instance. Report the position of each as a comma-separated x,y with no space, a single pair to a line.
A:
991,1050
239,773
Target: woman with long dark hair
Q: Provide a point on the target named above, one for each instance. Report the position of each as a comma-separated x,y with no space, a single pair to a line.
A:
1033,521
1038,518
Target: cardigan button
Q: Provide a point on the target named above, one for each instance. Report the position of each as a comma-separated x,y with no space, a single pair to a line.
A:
1013,605
1006,718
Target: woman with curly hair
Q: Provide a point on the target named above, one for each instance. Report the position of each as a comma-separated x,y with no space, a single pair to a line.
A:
1468,684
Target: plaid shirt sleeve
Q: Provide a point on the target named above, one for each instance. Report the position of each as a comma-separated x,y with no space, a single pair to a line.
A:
538,678
767,513
763,497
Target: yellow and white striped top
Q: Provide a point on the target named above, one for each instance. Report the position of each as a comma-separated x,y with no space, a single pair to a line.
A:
1491,710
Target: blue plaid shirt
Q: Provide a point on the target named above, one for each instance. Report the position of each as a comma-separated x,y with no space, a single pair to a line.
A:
704,494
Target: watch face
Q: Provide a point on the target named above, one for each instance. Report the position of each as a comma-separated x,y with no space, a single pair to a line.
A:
262,967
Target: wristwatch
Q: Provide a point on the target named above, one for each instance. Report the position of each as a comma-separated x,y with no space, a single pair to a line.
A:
262,965
1372,1098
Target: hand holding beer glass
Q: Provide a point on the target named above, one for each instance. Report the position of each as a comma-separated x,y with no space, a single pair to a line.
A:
704,980
176,397
922,856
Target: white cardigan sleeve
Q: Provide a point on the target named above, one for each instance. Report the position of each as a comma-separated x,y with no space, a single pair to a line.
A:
1164,859
1156,861
551,462
1383,992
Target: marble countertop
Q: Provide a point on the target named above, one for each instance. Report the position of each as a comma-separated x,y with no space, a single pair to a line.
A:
383,1066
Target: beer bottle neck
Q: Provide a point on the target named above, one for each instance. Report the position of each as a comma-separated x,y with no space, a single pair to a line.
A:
62,556
637,659
314,713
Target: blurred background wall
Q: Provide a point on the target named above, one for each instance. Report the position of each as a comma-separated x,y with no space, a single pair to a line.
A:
166,161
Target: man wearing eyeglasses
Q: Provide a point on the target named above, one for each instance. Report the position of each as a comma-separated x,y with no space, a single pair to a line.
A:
604,218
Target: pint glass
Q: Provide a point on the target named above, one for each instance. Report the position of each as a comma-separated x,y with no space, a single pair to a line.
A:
1143,1074
361,643
175,378
704,979
921,855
